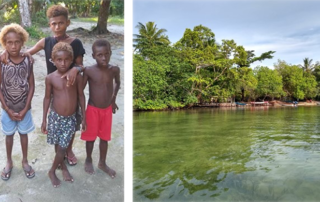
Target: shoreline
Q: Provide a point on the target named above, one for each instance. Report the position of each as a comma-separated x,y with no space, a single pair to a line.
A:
225,105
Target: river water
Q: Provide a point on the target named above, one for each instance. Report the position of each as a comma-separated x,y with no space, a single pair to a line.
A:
216,154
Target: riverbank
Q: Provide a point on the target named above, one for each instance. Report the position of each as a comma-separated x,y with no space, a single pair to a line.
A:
238,104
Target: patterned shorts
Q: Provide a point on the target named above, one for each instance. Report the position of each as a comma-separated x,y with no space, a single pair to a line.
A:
60,128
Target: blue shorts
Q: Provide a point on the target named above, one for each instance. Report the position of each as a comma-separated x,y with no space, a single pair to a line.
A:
9,127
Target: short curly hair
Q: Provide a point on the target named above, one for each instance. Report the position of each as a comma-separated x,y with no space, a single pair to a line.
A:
101,43
13,27
57,10
61,46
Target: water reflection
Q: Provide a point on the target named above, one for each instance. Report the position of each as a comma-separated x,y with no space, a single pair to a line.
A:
227,155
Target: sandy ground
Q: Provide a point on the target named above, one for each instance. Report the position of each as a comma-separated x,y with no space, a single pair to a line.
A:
97,187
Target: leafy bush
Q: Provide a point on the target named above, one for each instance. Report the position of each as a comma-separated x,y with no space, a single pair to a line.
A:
11,16
35,32
173,104
191,99
139,104
39,19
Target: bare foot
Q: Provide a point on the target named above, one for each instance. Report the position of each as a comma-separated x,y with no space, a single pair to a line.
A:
88,167
54,179
66,175
107,170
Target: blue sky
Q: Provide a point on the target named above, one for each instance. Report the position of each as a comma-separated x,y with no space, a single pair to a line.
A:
291,28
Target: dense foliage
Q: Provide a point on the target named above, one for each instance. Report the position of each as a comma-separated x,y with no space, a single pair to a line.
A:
198,69
9,11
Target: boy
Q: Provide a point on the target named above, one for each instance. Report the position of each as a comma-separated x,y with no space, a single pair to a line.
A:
62,116
17,88
101,104
58,23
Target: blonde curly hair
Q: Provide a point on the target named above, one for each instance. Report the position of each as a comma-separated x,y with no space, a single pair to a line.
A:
57,10
61,46
13,27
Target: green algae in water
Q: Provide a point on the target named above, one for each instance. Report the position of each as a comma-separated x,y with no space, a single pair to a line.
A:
227,155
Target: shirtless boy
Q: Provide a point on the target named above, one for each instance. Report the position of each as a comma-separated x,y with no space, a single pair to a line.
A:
58,23
61,119
101,104
17,88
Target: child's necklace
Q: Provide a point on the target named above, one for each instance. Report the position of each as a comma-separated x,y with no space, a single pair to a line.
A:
60,38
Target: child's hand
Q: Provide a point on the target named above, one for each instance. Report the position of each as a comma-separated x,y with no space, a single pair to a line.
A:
22,114
83,126
4,57
44,127
71,76
29,56
114,107
13,115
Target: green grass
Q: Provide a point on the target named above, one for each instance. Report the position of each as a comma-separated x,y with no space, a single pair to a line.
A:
92,19
31,42
117,20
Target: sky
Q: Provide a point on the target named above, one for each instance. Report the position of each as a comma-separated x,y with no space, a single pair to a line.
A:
291,28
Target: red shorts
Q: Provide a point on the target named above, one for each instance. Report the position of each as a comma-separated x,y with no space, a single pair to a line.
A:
99,122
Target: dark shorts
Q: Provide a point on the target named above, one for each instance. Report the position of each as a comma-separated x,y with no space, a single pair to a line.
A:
78,118
78,115
60,128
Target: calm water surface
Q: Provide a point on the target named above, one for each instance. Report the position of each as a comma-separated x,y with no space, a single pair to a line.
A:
254,154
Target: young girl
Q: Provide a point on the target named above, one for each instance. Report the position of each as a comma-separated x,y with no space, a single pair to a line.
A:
17,88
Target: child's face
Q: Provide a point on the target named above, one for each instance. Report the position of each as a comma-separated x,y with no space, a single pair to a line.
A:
59,25
102,55
62,60
13,43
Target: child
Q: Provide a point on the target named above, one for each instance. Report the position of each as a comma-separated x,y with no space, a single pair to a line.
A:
61,119
17,88
58,23
101,103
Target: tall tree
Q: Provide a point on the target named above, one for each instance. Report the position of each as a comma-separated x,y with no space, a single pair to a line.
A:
269,82
292,79
103,17
198,48
24,13
307,65
149,36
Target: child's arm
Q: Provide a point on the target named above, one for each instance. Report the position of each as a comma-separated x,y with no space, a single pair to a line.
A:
116,89
36,48
23,112
81,100
73,72
12,115
46,103
84,78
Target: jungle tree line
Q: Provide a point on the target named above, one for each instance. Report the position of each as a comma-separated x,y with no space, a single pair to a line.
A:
29,12
198,69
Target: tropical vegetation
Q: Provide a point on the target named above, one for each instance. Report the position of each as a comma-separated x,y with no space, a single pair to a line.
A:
100,11
198,69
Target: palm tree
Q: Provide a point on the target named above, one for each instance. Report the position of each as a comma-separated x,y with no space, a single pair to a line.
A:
149,36
307,65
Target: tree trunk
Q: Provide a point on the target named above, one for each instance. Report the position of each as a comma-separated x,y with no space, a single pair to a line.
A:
30,6
24,13
103,17
242,94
